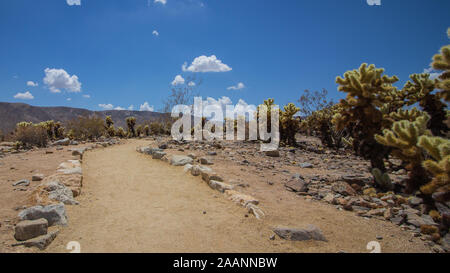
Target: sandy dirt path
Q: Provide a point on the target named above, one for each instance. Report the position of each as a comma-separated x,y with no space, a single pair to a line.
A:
131,203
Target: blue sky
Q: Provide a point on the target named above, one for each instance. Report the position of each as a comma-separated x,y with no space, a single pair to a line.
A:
108,50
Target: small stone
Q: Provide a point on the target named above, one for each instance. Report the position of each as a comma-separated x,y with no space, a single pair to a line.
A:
415,201
294,234
379,237
220,186
205,161
22,182
212,153
37,177
343,188
306,165
63,142
272,237
274,153
163,146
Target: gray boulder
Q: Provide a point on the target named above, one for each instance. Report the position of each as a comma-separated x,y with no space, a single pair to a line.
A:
55,214
158,155
180,160
311,232
28,229
40,242
59,192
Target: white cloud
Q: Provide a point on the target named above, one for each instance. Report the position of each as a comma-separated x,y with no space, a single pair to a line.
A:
69,99
73,2
178,80
58,79
87,96
31,83
220,105
146,107
239,86
206,64
131,107
155,32
191,84
119,108
161,1
432,72
24,96
106,106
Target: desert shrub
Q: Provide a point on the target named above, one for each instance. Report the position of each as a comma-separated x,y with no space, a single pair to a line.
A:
146,130
131,123
29,134
156,128
2,136
86,127
311,102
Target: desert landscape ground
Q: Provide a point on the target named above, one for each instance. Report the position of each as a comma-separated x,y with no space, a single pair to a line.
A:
130,202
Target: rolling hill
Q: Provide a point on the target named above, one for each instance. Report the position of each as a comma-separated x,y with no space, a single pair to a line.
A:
12,113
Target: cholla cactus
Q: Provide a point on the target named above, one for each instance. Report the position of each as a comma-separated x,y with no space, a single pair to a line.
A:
404,137
439,166
406,114
382,179
139,130
288,124
442,62
108,121
419,89
367,91
121,132
131,122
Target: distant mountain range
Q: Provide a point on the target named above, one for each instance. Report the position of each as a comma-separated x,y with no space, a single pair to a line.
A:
13,113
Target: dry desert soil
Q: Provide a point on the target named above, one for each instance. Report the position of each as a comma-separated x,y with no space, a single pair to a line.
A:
131,203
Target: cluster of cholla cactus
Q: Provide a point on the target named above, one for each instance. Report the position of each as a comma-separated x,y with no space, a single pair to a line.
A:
55,130
28,134
289,125
320,121
403,137
368,90
381,124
